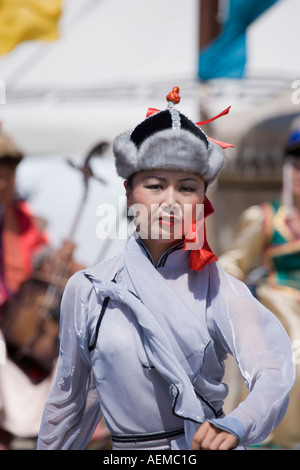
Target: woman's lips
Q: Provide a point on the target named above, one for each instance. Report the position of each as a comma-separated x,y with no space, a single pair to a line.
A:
168,221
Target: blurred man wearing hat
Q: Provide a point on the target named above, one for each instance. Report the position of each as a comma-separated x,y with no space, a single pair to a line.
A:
26,260
20,240
21,237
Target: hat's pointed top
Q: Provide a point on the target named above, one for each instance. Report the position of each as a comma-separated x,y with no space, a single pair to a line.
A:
173,97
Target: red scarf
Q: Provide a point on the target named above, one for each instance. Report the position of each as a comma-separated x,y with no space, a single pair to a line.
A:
204,255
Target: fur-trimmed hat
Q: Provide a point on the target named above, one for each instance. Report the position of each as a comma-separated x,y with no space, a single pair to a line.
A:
171,141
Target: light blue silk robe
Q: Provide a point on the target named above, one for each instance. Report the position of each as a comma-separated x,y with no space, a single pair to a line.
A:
150,358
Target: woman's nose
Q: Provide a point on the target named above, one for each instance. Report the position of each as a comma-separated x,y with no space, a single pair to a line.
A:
170,196
170,201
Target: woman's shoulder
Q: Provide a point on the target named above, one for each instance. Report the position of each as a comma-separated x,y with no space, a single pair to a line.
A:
225,281
103,271
81,285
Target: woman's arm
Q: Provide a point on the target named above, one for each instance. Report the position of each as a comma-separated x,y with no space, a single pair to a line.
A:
72,410
263,351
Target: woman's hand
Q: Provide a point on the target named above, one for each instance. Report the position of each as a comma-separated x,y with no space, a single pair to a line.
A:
209,437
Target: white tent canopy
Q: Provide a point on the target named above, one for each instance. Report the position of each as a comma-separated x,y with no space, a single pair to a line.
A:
114,58
101,75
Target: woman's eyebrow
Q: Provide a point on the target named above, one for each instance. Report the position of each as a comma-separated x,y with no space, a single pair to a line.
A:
189,178
153,176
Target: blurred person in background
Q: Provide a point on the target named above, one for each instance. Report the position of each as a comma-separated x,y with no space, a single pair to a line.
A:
21,237
267,241
29,328
21,241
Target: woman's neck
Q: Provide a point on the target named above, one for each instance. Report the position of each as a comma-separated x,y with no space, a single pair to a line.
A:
157,248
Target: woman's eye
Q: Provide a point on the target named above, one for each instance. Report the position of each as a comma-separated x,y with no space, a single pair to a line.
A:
187,189
154,186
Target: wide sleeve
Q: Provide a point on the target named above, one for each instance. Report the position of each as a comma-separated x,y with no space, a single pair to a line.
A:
245,250
72,410
263,351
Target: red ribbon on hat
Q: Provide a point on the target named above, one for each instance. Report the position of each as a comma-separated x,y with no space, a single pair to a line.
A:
199,258
224,145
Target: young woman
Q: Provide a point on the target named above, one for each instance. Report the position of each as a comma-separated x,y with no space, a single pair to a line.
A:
144,335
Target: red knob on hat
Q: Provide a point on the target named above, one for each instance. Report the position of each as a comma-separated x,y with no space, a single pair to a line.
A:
173,96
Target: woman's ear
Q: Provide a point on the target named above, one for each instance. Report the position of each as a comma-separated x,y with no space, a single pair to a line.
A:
128,193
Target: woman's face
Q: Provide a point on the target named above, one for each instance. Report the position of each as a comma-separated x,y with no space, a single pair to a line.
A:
165,203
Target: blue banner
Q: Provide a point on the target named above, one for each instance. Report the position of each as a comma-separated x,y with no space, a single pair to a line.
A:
226,56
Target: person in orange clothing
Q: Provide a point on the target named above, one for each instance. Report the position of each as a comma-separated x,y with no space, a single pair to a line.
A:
21,238
25,257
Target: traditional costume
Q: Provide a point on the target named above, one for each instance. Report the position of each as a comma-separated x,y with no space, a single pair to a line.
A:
144,344
265,237
20,236
21,243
